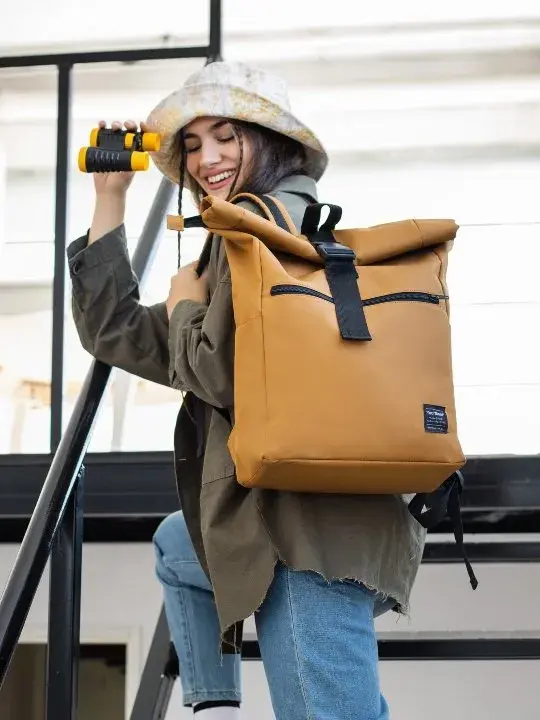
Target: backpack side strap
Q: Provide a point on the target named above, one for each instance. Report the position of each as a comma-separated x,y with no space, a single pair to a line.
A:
429,509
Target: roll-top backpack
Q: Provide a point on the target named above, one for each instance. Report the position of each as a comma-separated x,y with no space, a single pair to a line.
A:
343,367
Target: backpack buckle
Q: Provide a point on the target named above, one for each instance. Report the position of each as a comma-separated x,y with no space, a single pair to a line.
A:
334,251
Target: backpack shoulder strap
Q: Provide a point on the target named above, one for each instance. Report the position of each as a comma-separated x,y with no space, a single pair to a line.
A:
204,257
273,209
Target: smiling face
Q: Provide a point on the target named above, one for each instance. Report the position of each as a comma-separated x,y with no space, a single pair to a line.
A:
213,155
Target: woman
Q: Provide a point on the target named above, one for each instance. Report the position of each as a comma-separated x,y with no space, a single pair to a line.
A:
314,569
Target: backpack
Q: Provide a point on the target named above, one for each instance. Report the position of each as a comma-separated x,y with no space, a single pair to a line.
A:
343,369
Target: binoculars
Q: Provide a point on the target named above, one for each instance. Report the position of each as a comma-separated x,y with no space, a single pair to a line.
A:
118,150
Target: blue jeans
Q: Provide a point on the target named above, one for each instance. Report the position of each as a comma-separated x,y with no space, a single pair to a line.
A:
317,638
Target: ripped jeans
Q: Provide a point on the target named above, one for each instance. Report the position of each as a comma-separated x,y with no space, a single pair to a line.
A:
317,638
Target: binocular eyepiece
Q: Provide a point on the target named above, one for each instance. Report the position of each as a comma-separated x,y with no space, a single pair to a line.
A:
118,150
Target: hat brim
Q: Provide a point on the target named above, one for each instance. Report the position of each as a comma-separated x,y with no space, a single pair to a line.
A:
209,100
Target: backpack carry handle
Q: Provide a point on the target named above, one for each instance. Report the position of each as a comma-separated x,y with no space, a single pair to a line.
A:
312,218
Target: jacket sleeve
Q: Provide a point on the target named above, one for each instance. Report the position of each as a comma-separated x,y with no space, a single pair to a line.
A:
112,324
201,338
201,342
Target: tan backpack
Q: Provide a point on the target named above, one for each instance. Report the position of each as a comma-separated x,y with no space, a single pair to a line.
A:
343,369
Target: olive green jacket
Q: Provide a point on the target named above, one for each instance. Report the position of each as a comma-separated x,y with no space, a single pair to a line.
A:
238,534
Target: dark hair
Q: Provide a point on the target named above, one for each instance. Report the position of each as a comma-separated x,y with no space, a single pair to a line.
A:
273,157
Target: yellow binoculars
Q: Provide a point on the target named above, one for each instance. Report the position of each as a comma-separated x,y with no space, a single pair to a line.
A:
118,150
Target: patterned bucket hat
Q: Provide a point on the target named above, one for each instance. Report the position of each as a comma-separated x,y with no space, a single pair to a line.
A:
236,91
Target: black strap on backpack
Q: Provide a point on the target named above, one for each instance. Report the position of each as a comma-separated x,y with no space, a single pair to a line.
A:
275,211
340,269
429,509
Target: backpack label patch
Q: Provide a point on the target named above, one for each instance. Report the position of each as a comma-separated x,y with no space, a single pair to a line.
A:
435,419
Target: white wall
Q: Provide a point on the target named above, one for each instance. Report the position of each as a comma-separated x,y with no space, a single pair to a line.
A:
121,602
72,19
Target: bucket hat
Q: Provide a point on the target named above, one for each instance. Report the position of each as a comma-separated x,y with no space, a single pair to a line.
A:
235,91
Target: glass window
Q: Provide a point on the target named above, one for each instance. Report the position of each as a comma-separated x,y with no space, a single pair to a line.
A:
27,153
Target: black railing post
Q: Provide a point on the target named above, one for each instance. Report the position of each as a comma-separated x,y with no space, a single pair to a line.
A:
66,550
65,610
60,234
214,46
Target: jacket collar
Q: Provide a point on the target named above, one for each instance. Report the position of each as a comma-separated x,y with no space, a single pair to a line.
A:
300,185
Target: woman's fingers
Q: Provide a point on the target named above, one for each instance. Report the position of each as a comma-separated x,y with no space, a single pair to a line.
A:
129,125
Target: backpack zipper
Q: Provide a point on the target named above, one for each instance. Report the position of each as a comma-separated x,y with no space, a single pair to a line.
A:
407,296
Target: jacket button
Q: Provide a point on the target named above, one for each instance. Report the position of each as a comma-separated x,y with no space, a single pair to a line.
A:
76,267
